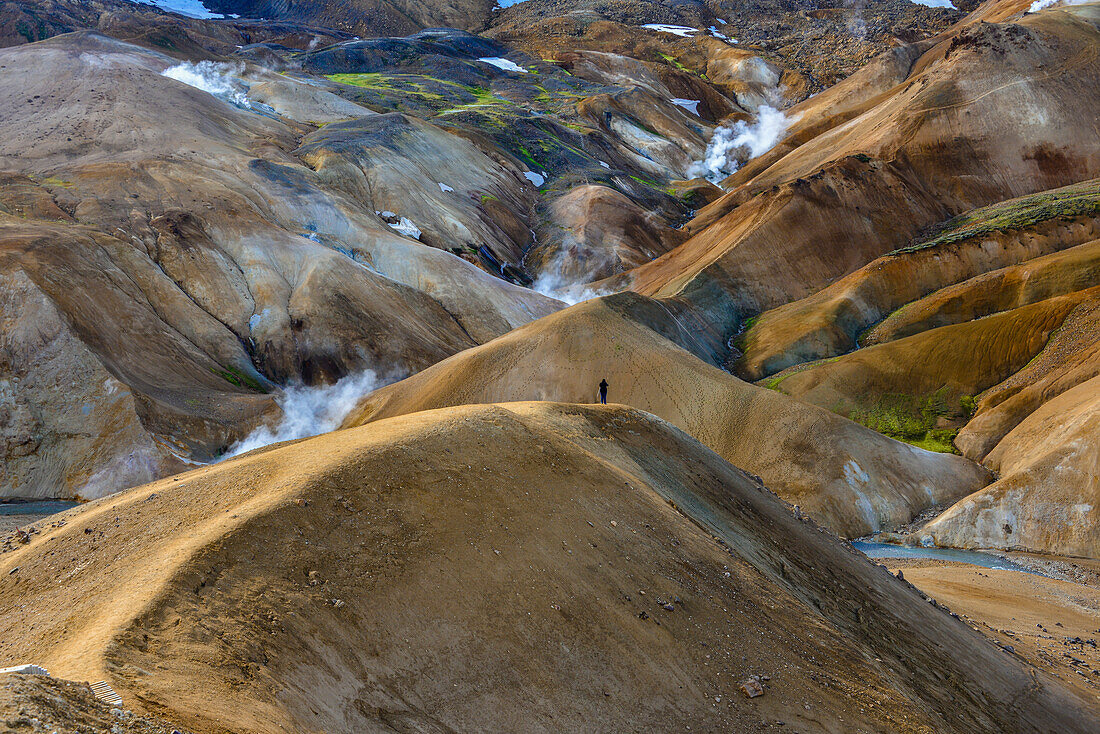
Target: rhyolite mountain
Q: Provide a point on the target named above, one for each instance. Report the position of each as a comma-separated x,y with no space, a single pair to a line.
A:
840,266
342,204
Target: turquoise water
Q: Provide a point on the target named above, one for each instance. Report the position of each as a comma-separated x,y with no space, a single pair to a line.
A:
36,507
974,558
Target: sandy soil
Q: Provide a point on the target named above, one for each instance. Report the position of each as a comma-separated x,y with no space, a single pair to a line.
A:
9,523
1051,623
523,567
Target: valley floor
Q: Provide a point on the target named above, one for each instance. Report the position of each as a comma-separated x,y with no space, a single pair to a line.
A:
1053,624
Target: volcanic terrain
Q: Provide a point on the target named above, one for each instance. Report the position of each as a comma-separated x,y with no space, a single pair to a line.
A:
309,305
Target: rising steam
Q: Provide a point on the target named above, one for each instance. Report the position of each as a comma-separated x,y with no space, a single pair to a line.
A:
554,285
1040,4
733,145
558,278
218,79
309,411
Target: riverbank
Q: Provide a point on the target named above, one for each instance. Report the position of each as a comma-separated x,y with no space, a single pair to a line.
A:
17,514
1053,624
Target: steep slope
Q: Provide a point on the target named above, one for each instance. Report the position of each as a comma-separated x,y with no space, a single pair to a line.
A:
987,240
991,112
1048,494
27,21
199,260
953,353
367,17
526,566
849,478
819,42
925,376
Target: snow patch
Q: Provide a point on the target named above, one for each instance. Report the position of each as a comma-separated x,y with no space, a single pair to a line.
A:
444,187
691,105
407,228
853,473
682,31
534,178
1041,4
502,63
256,319
935,3
189,8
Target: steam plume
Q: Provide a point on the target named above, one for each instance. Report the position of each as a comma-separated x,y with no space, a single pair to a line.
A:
734,144
309,411
218,79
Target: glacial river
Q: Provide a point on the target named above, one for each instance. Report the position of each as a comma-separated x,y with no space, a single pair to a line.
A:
974,558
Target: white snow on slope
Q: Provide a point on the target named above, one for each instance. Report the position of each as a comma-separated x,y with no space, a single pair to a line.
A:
677,30
190,8
691,105
501,63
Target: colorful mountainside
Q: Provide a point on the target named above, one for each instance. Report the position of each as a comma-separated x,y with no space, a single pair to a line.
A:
311,303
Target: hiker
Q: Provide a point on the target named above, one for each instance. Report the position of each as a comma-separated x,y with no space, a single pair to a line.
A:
603,391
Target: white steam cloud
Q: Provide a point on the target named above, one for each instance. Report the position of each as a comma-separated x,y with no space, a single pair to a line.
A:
557,280
733,145
309,411
218,79
1041,4
553,285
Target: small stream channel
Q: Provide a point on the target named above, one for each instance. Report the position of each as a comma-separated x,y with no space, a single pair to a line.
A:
36,507
17,513
974,558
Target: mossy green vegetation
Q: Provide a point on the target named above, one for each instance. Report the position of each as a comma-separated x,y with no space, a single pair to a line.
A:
675,63
1078,200
55,182
234,376
419,93
916,420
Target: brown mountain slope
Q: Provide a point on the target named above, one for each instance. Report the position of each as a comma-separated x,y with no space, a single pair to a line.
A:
993,111
27,21
367,17
1008,358
201,261
849,478
938,366
1001,238
1047,498
526,566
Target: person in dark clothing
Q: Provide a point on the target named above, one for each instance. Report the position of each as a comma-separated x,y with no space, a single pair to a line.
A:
603,391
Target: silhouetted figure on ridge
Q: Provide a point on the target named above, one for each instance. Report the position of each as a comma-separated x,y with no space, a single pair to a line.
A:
603,391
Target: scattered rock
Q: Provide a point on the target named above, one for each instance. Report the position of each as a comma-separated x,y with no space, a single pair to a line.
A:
752,688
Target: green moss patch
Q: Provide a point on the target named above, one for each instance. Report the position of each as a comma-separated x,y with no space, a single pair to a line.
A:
234,376
1078,200
916,420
